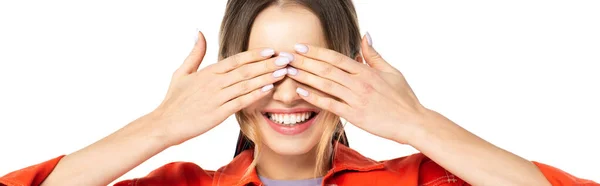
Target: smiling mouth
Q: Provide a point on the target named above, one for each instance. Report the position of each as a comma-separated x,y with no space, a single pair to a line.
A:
290,119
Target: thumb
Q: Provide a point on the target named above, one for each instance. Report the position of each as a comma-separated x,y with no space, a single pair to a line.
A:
371,56
193,60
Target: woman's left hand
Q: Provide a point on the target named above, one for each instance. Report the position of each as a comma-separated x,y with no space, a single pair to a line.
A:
373,96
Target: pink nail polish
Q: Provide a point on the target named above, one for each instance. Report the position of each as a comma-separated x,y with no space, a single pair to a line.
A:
292,71
369,40
267,52
279,73
302,92
267,87
288,55
301,48
282,61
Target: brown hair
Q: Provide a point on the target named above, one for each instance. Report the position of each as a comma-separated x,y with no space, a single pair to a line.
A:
340,26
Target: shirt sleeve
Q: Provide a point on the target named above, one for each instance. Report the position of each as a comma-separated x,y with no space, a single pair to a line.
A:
32,175
558,177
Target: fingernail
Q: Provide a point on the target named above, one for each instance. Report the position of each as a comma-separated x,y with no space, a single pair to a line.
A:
302,92
288,55
196,35
267,52
291,70
369,40
279,73
301,48
282,61
267,87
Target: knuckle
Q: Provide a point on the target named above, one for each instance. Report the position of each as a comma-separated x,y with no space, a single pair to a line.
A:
301,61
235,61
326,86
266,64
244,86
376,56
326,70
175,73
256,54
238,104
369,74
339,59
244,73
265,79
367,88
255,95
329,104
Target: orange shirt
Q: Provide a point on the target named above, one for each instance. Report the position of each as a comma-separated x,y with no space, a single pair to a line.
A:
349,168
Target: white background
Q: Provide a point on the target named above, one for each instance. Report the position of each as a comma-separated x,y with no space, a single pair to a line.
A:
522,74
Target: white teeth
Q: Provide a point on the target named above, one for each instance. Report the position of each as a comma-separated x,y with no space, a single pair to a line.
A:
286,119
289,119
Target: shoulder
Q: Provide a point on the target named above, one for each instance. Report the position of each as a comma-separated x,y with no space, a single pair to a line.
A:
425,170
175,173
415,169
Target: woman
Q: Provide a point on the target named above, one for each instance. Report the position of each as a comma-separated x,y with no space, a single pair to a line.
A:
289,70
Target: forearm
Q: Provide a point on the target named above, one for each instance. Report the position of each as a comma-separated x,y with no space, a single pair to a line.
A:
106,160
471,158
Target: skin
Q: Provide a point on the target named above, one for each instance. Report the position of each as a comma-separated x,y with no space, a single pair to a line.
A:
386,103
376,98
189,109
280,27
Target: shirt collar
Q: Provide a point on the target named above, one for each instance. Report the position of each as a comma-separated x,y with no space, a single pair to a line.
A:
344,158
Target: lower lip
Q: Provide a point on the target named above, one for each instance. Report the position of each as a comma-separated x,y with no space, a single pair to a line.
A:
290,130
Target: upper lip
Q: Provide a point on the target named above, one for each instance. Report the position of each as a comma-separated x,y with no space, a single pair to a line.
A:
289,111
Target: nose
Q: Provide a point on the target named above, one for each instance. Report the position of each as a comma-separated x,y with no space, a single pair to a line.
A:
285,92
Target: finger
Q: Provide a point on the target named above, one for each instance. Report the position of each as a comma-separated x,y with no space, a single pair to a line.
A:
325,70
244,101
329,56
237,60
193,60
329,104
372,57
322,84
252,70
246,86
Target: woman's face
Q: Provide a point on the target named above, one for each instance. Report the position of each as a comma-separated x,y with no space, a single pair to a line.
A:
287,122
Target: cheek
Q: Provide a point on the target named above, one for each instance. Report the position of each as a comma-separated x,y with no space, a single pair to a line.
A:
258,105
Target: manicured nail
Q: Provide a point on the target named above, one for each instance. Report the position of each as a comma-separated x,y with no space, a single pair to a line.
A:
279,73
267,87
301,48
267,52
288,55
196,35
282,61
292,71
369,40
302,92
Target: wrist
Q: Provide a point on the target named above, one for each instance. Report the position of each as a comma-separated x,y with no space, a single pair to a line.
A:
423,128
150,128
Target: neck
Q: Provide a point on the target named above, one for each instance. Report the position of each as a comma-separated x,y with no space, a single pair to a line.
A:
288,167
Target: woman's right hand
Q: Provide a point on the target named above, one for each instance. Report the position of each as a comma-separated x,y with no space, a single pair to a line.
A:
199,100
196,102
